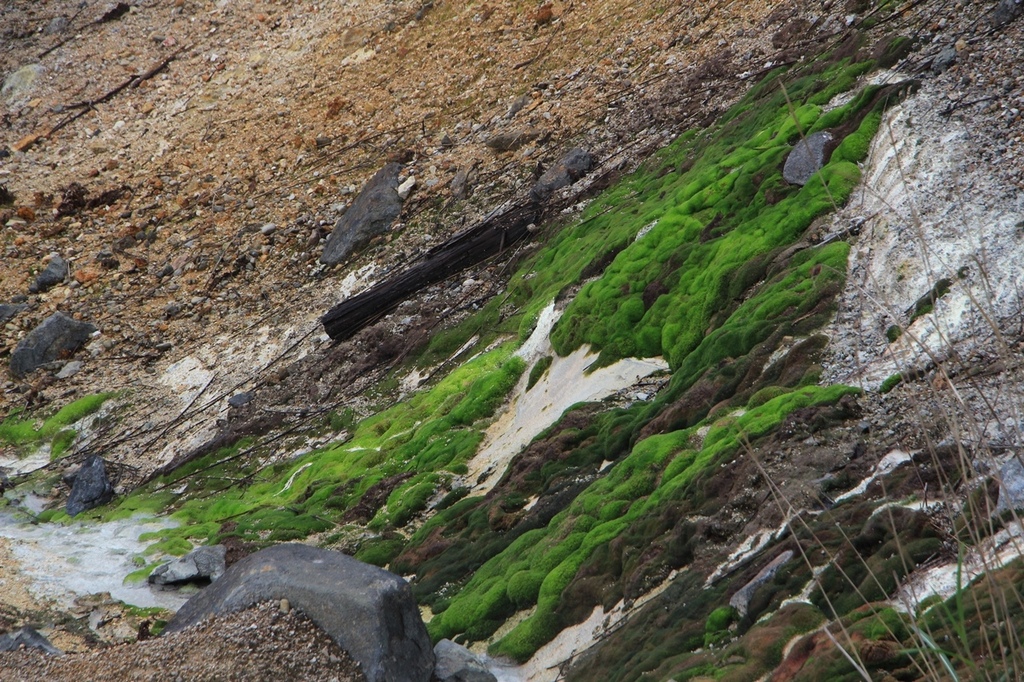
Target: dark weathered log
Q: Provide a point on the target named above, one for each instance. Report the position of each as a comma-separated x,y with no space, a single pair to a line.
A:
492,235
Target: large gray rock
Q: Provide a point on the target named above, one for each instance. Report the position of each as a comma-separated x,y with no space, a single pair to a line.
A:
806,159
91,487
29,638
57,337
1006,11
54,273
9,310
456,663
202,563
1011,486
371,214
566,171
368,611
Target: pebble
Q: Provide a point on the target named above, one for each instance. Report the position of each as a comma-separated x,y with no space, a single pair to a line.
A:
268,228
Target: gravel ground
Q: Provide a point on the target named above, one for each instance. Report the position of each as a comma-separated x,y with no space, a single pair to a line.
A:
261,643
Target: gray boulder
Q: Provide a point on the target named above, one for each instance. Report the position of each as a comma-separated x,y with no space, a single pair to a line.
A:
54,273
202,563
806,159
1011,486
566,171
57,337
1006,11
9,310
456,663
371,214
741,599
90,488
30,639
368,611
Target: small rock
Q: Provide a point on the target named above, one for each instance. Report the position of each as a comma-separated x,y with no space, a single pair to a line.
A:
163,347
806,159
945,59
30,639
201,564
9,310
285,606
323,141
563,173
166,271
240,399
268,229
405,189
69,370
512,140
56,25
56,271
518,105
1011,486
91,487
463,181
172,309
57,337
455,663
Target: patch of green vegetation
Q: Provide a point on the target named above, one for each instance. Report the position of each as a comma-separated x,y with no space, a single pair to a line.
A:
891,382
893,333
538,371
17,430
716,629
61,442
925,304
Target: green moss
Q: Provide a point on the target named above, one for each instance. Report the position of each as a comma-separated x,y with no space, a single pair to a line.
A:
891,382
538,371
61,442
716,628
893,333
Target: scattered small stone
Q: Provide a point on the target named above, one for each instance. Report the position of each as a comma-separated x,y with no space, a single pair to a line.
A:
91,487
56,25
1011,486
371,214
70,369
164,346
166,271
268,229
285,606
172,309
1006,11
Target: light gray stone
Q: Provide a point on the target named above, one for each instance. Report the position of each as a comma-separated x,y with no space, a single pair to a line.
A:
29,638
567,170
54,273
1011,486
456,663
202,563
19,85
741,599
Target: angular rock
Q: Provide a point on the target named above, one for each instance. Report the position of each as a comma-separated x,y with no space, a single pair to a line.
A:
806,159
202,563
9,310
57,337
240,399
512,140
69,370
30,639
1006,11
741,599
945,59
55,273
456,663
368,611
371,214
563,173
1011,486
91,487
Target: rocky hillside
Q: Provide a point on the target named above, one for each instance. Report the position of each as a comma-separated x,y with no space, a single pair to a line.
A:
674,341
